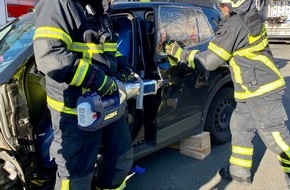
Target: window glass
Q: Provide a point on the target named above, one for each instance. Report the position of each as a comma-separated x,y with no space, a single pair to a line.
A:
15,37
186,25
204,29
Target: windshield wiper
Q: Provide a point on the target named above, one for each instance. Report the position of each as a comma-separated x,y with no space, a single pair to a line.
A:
11,23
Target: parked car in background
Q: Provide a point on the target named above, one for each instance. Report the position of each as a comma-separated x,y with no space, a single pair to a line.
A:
183,101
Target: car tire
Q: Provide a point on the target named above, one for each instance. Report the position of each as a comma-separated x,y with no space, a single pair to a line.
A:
219,115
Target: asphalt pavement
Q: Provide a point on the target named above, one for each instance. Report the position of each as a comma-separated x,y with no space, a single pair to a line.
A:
167,169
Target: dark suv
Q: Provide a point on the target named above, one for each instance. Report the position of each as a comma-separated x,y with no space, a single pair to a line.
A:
178,101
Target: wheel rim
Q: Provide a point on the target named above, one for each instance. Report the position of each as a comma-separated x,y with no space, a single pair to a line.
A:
223,115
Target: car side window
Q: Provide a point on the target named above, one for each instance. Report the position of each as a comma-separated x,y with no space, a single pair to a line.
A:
186,25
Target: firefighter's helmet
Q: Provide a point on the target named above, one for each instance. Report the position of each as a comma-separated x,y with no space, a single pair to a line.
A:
233,3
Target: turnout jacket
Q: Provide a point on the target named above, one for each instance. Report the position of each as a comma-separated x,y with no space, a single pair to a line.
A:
71,65
242,41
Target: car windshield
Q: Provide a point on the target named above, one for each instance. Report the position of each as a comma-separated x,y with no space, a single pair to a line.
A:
14,38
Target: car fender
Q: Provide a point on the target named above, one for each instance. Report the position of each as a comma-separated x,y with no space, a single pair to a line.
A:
219,83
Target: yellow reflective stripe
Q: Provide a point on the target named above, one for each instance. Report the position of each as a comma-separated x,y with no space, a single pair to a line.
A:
80,73
172,62
191,58
84,90
245,52
263,59
59,106
118,54
51,32
242,150
219,51
121,187
104,82
236,71
283,160
286,169
86,47
252,39
110,46
258,47
262,90
266,61
87,57
237,74
278,139
241,162
65,184
178,54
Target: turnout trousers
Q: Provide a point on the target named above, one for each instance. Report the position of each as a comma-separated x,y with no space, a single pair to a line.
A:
265,116
75,152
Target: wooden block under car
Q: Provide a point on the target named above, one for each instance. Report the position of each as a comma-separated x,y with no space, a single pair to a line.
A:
197,146
199,141
200,155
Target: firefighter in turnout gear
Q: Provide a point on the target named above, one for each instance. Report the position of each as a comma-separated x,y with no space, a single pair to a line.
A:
77,52
241,40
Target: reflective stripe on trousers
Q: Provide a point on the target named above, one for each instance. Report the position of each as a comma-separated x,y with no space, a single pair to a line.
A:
267,117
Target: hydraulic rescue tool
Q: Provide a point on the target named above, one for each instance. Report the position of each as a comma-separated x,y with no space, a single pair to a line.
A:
95,112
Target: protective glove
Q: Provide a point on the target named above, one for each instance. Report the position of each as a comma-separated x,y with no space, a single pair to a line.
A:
172,61
125,72
126,75
173,49
108,86
183,56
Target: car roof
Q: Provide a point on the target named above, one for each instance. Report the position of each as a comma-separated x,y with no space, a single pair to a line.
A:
127,5
146,5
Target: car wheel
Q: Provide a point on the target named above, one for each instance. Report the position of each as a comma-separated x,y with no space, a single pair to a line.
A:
219,115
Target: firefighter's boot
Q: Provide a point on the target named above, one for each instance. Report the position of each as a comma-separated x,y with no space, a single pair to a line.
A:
225,174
